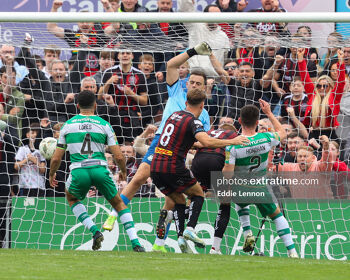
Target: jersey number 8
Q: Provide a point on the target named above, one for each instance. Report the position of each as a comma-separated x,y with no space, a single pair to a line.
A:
169,129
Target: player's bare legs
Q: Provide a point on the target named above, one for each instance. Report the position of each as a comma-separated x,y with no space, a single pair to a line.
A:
141,176
283,230
80,212
127,221
195,193
117,203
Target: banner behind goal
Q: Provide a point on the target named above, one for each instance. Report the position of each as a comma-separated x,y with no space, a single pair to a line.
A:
52,65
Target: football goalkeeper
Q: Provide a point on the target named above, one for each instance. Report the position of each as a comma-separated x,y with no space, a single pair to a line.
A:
176,102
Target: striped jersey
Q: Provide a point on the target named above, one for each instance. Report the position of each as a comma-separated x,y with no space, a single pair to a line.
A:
177,138
254,156
219,134
85,137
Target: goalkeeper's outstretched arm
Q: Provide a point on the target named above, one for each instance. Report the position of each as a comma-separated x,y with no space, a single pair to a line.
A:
174,63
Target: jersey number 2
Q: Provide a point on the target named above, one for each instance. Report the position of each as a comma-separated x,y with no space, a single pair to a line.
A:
169,129
256,160
86,147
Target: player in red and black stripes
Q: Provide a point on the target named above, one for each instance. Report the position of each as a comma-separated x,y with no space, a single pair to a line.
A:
207,160
211,159
168,170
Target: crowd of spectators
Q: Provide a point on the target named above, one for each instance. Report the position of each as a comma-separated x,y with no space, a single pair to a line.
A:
308,92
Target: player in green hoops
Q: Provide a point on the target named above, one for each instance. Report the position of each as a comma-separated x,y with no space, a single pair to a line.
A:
253,158
85,137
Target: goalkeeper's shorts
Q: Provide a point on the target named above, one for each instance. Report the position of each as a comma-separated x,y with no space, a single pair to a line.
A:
81,179
150,152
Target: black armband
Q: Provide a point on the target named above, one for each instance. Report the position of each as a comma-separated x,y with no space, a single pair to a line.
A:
61,146
191,52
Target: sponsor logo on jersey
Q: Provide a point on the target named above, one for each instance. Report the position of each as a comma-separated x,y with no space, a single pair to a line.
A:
176,117
163,151
254,142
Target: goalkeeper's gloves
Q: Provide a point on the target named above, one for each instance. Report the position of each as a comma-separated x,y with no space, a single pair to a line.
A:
200,49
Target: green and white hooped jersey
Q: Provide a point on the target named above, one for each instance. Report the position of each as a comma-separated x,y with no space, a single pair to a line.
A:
85,137
254,156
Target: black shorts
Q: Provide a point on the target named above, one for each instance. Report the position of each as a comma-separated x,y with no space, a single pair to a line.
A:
169,183
203,164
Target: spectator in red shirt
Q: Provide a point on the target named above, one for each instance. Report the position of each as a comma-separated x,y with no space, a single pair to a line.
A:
289,68
251,39
128,87
323,99
297,99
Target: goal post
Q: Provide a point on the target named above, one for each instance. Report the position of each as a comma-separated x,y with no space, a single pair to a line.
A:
42,219
175,17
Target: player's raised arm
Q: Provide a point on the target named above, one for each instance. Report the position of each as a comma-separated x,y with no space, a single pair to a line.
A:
211,142
174,63
265,107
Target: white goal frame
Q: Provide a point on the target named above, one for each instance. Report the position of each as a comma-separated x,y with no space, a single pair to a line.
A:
174,17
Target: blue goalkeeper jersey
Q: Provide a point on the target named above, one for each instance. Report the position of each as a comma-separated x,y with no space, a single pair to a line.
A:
177,102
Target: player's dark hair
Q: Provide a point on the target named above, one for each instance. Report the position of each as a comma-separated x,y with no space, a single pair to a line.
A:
195,97
199,73
206,9
86,99
249,115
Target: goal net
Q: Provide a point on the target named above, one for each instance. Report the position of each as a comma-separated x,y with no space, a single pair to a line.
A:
44,66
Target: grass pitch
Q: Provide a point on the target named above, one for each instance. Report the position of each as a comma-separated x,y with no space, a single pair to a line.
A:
55,264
